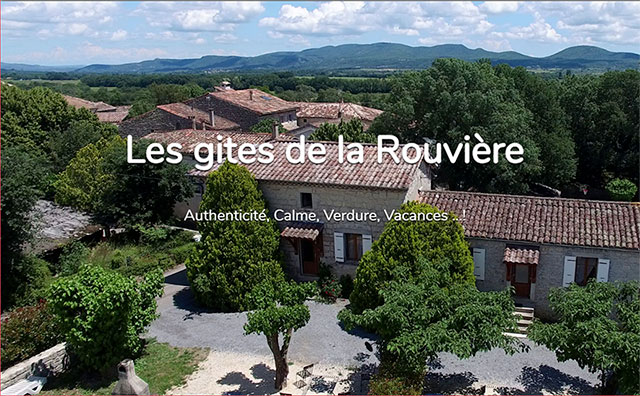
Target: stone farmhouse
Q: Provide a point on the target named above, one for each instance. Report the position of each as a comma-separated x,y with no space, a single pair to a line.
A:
104,112
175,116
535,244
226,109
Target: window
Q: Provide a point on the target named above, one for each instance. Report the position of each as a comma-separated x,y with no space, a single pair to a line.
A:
306,201
586,269
353,246
290,117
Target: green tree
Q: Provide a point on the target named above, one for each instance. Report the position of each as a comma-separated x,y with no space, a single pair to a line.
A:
65,144
453,99
621,189
351,131
101,313
23,181
404,242
599,327
424,312
86,180
278,310
142,193
266,126
233,256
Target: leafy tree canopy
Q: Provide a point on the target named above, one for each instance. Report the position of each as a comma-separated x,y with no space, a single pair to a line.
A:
233,256
102,313
404,242
352,131
279,310
598,327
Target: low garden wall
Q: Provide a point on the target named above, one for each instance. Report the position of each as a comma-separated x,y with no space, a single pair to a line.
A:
52,361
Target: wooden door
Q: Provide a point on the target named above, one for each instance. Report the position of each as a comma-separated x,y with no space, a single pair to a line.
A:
522,280
308,257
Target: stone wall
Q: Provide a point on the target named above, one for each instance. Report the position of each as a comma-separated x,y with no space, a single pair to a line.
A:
624,266
241,116
154,121
286,196
52,361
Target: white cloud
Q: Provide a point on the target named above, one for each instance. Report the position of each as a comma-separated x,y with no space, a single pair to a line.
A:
200,41
119,35
225,38
218,16
91,51
499,7
538,30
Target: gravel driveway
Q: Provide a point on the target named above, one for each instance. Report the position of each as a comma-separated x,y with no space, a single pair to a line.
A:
182,323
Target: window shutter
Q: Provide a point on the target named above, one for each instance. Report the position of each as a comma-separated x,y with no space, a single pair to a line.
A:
603,270
478,263
569,270
366,243
338,246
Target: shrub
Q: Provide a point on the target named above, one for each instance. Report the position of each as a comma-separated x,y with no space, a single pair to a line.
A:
621,189
33,284
180,254
101,313
233,256
404,242
27,331
346,285
330,289
73,256
118,260
152,235
386,384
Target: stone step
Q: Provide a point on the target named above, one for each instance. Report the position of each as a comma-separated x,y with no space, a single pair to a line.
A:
524,315
522,329
524,322
524,309
514,335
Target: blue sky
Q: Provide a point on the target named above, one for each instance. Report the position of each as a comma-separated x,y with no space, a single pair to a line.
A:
77,33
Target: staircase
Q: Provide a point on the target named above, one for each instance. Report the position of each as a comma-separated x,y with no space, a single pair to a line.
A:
525,318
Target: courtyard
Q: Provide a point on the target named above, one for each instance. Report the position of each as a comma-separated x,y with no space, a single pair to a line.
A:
239,364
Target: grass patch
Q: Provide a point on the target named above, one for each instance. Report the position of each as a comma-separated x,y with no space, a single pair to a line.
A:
137,258
161,366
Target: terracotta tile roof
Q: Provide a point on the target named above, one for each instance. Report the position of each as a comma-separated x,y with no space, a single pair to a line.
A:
185,111
542,220
190,138
333,110
255,100
521,255
369,173
302,230
114,117
87,104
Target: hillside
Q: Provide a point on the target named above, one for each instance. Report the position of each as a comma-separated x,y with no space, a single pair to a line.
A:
379,56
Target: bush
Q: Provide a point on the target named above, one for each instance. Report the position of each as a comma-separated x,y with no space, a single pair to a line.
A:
27,331
118,260
32,286
404,242
101,313
180,254
346,284
621,189
330,289
233,256
73,256
386,384
152,235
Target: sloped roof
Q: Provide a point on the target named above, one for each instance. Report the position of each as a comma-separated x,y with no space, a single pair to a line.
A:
561,221
370,173
114,117
190,138
186,111
255,100
87,104
335,110
521,255
302,230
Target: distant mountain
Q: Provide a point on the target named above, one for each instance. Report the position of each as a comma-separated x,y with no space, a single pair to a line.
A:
37,68
379,56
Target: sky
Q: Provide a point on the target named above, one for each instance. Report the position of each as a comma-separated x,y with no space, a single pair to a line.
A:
80,33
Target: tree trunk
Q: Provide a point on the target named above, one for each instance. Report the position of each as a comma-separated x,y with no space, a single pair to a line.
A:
280,359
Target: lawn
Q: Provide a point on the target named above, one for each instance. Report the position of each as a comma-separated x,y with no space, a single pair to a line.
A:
161,366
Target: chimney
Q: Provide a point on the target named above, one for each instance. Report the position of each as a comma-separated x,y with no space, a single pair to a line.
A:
212,118
193,122
274,130
250,94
